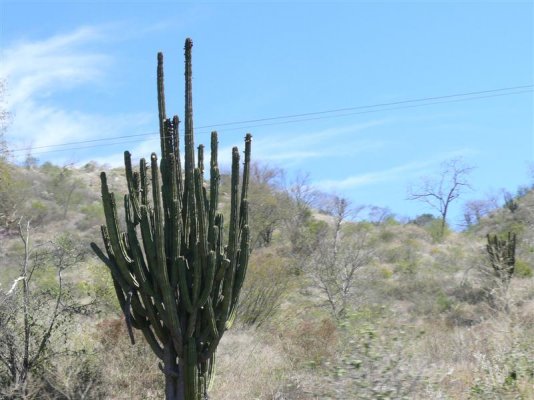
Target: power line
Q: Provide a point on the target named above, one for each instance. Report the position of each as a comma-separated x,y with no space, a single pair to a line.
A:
294,116
372,106
276,123
451,99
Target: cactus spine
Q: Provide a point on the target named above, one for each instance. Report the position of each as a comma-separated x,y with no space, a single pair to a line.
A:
501,253
175,278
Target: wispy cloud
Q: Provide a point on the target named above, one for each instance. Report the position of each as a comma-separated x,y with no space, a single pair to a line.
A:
38,69
373,177
291,149
39,72
403,171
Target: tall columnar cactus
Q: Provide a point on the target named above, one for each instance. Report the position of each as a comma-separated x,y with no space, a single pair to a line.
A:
502,256
175,278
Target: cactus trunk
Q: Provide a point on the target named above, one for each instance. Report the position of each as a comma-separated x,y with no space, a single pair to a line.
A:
175,279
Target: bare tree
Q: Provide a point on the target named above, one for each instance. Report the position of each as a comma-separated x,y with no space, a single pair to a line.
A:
338,257
440,192
475,210
267,203
30,317
379,215
302,196
5,119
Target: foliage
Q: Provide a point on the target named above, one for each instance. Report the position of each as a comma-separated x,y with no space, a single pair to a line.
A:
266,281
267,204
522,269
13,193
336,260
35,314
65,188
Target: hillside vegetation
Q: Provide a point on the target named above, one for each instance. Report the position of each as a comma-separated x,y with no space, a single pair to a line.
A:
339,302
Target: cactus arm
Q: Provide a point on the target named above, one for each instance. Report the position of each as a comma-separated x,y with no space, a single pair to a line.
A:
209,329
139,268
143,181
183,284
200,156
160,270
189,141
110,263
243,215
134,194
176,151
118,247
234,195
241,268
209,279
161,102
153,342
214,191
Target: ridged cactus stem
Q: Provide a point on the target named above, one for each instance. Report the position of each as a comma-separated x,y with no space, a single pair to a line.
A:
175,278
161,102
501,253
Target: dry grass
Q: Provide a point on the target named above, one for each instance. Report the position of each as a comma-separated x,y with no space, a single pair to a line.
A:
249,367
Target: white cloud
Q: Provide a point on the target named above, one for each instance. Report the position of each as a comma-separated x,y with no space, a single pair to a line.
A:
410,169
38,71
369,178
40,68
291,149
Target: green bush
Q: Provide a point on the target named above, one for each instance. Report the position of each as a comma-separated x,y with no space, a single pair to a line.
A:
386,236
38,211
266,282
93,216
434,230
443,302
522,269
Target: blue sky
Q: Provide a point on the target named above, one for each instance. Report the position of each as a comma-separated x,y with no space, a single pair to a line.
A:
78,71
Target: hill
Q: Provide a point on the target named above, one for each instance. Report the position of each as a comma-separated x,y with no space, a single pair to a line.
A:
335,305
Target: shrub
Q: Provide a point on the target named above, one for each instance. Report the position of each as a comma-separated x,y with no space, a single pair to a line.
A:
522,269
266,281
312,341
93,216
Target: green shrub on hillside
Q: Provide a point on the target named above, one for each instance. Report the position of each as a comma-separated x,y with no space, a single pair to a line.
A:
266,281
522,269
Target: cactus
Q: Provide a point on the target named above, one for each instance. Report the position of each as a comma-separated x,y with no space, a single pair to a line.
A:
176,280
502,256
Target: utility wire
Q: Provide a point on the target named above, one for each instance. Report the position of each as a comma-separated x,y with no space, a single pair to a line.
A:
293,116
451,99
272,123
371,106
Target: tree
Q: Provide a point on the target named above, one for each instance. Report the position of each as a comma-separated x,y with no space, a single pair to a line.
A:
11,188
267,203
379,215
338,257
300,226
438,193
510,202
5,119
475,210
64,187
31,316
